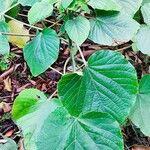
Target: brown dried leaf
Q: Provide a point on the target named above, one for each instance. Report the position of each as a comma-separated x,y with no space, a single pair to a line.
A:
7,84
140,147
6,107
9,133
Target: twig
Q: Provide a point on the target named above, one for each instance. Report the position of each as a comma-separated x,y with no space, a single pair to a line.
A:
17,34
9,71
124,48
52,95
65,65
55,23
80,67
56,70
28,25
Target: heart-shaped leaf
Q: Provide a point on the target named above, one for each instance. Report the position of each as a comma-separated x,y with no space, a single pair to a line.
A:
78,29
112,30
48,124
108,84
140,114
34,16
42,51
142,40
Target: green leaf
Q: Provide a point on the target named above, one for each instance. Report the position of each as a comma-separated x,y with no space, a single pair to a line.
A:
78,29
104,5
112,30
8,144
146,13
42,51
4,45
145,1
66,3
142,40
28,2
5,4
26,99
108,84
34,16
18,28
48,124
140,114
4,26
130,7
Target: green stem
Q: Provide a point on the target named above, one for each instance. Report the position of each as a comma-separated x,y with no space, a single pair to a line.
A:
82,56
56,70
72,56
73,62
52,95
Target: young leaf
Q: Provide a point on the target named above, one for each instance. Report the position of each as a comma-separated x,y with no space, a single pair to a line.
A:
140,114
146,13
34,16
78,29
142,40
4,45
108,84
112,30
48,124
42,51
104,5
17,27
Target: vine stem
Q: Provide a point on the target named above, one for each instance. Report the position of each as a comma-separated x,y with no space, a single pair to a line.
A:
52,95
65,65
56,70
82,56
72,56
9,9
73,62
28,25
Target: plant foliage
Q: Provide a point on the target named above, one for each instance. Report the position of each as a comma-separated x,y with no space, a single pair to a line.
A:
92,104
